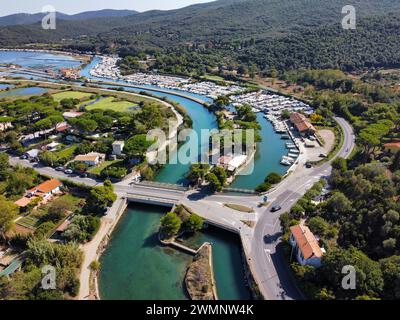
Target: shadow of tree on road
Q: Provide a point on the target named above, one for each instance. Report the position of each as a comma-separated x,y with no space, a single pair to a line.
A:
289,289
268,238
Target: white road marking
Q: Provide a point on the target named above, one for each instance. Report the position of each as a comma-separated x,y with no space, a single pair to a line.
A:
268,254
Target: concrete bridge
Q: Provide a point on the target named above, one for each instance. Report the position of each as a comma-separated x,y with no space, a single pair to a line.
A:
152,193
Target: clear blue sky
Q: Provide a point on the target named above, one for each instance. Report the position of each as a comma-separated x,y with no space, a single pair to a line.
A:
75,6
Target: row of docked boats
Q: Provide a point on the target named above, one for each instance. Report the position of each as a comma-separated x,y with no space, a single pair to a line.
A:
279,126
292,155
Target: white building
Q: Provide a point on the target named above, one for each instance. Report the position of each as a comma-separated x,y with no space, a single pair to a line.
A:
118,147
237,162
32,153
5,125
72,114
91,159
305,246
46,189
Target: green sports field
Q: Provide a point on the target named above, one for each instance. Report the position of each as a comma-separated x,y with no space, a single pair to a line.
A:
110,103
71,95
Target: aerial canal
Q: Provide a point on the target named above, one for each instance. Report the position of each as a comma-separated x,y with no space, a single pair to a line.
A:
134,259
134,265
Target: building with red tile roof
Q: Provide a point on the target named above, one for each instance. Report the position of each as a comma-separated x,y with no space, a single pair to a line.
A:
305,246
44,190
392,147
302,124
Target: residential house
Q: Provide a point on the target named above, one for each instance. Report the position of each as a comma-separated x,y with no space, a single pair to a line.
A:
62,127
5,125
392,147
91,159
118,147
72,114
51,146
44,190
305,246
69,74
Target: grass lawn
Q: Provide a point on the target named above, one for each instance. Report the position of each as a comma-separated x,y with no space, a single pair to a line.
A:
97,169
238,207
213,78
67,152
109,103
71,95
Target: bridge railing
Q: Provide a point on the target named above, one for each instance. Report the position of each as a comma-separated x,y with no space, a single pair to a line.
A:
162,185
151,199
236,190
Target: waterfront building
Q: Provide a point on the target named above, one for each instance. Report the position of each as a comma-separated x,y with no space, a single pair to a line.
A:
303,126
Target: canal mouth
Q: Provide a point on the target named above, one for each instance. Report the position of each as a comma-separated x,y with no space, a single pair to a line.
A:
136,261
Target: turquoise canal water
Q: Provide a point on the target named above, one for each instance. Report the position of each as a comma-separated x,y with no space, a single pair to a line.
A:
160,271
136,267
266,160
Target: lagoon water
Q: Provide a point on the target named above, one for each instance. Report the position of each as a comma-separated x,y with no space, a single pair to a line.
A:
5,86
21,92
38,60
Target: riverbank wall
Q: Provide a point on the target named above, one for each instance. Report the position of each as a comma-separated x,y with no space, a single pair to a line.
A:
117,212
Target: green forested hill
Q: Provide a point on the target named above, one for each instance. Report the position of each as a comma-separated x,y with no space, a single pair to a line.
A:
219,20
256,33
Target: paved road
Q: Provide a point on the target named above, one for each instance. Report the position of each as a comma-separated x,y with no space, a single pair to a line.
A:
268,265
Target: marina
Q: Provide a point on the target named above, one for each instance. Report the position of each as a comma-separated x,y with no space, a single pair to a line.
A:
134,269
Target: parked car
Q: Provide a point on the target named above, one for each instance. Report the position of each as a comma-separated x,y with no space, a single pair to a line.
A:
308,165
83,175
68,171
23,157
276,208
60,169
322,155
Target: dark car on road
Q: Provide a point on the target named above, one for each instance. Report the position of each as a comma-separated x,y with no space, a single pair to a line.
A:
308,165
276,208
